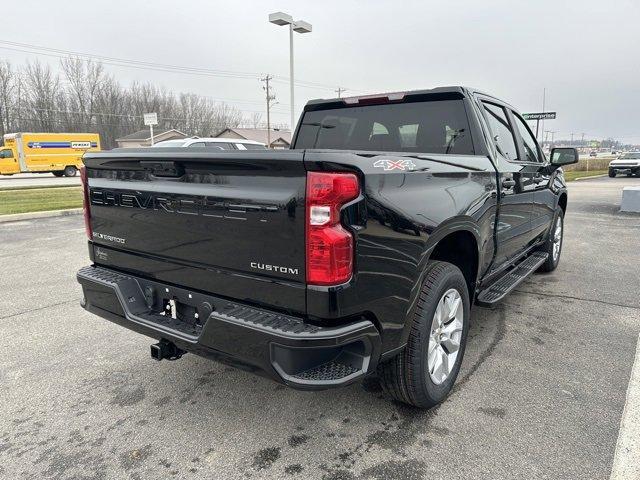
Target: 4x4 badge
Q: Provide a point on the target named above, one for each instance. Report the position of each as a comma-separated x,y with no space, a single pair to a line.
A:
388,164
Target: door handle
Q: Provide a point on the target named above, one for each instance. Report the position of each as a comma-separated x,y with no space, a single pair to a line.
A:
508,183
540,179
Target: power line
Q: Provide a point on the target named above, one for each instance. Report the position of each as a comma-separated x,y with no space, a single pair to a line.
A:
164,67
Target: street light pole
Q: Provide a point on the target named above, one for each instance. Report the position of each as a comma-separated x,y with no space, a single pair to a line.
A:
299,26
291,75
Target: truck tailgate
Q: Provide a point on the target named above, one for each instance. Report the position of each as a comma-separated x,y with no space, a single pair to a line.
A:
227,223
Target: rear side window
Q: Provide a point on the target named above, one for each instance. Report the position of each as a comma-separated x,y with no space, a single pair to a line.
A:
501,131
439,127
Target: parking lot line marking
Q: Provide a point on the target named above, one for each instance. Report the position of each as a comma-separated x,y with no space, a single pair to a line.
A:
626,462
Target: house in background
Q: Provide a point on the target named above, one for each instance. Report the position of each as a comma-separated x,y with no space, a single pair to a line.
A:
280,139
142,138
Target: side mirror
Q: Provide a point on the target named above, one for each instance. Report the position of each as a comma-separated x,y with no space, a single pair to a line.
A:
564,156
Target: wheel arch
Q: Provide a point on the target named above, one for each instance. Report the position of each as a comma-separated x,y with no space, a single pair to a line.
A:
460,247
456,241
562,202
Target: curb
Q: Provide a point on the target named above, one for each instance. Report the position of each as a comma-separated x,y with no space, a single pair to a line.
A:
17,217
591,176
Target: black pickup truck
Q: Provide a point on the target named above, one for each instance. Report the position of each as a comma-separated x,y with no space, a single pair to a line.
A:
358,251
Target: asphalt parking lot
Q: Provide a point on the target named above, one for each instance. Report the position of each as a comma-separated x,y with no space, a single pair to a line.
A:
540,394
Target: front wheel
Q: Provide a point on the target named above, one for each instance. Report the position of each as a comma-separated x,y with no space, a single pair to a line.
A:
553,245
423,374
57,174
612,173
70,171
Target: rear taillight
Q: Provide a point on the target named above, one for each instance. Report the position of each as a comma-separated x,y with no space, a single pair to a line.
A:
329,244
85,202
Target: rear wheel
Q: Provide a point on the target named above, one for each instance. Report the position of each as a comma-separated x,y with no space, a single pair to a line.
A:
612,173
423,374
70,171
553,245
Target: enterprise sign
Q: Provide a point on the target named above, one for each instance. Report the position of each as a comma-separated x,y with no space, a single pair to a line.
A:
539,116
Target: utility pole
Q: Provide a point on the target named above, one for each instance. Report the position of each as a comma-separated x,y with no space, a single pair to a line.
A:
571,138
582,139
339,91
270,98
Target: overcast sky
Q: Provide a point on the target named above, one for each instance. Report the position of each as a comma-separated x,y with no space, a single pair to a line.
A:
586,53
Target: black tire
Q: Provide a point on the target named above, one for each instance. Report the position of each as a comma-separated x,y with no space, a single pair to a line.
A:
612,173
70,171
57,174
548,247
406,376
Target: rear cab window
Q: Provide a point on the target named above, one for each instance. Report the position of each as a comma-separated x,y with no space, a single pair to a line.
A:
425,126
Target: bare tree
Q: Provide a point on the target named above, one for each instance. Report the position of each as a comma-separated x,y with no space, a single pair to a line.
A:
43,88
84,79
86,98
8,86
255,120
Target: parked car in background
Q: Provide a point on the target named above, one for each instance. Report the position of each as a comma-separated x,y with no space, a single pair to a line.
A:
593,153
57,153
217,143
628,163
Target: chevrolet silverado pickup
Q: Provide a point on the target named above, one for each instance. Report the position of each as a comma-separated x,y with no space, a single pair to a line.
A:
357,252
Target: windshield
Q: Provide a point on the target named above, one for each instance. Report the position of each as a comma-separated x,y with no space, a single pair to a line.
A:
629,156
170,143
428,126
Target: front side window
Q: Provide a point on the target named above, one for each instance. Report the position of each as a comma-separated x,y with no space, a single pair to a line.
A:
501,131
531,152
6,153
430,126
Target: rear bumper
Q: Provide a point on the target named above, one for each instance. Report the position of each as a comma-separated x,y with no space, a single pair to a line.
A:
280,346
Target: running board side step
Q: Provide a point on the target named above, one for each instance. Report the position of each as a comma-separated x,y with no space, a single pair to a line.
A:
505,284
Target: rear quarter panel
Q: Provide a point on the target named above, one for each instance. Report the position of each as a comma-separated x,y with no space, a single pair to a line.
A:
399,218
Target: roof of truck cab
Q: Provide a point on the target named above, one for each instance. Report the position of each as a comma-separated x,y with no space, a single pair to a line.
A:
455,89
450,89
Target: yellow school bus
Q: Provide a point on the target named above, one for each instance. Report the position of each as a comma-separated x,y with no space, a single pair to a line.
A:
57,153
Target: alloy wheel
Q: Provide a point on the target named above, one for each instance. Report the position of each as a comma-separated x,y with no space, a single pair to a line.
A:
445,336
557,239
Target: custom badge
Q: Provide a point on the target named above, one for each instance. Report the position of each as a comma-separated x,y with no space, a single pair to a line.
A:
387,164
